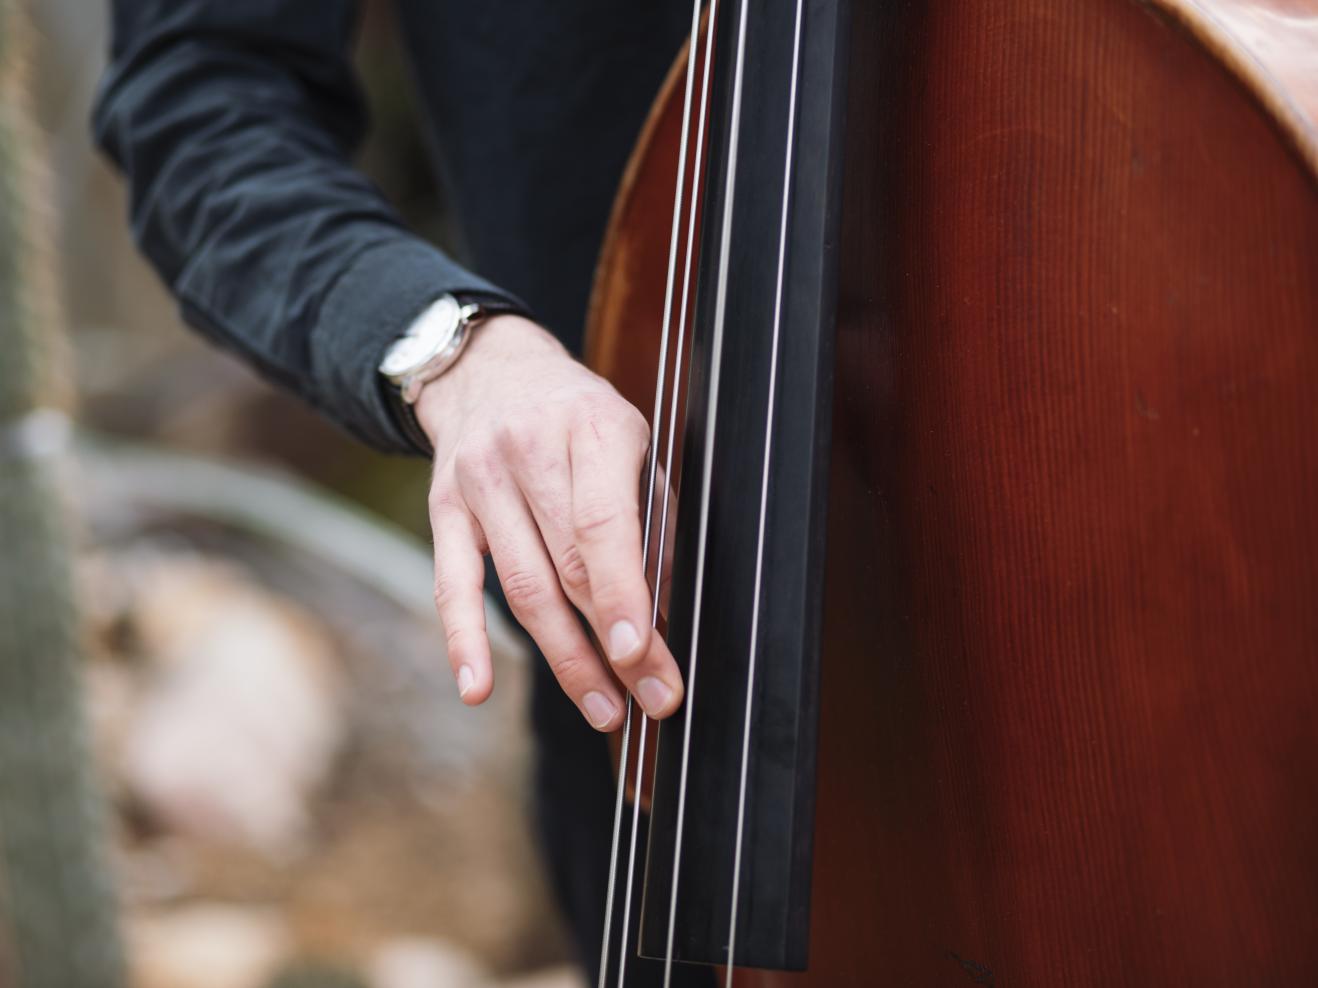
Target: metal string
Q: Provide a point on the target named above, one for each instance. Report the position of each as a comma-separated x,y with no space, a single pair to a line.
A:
678,356
686,273
631,847
645,550
764,490
716,366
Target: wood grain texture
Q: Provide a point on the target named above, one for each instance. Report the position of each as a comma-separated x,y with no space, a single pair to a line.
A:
1070,728
1271,47
1075,555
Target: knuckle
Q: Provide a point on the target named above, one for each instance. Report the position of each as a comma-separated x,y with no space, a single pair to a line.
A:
525,591
572,570
476,461
594,410
518,435
445,594
593,517
636,425
569,668
621,418
443,496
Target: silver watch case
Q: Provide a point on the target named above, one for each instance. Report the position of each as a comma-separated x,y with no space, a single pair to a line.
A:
430,346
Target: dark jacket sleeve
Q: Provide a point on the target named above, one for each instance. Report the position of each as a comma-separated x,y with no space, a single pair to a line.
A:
234,122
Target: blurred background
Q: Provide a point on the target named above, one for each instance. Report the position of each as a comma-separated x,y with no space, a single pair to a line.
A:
231,755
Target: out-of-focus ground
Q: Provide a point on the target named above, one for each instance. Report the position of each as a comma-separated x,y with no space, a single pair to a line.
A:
297,796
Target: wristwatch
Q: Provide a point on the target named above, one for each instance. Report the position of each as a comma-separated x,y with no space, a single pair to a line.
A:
431,345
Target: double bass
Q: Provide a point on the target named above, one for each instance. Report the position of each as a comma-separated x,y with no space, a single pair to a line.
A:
981,340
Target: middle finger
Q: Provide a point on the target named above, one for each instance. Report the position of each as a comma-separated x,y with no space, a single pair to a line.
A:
654,679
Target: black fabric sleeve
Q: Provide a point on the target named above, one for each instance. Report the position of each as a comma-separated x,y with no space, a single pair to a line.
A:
234,122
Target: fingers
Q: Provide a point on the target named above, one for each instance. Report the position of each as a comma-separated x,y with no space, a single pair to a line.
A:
657,559
606,455
553,496
606,529
460,600
536,599
556,529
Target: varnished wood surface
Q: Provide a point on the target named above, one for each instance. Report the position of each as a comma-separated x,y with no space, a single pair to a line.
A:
1270,47
625,318
1070,730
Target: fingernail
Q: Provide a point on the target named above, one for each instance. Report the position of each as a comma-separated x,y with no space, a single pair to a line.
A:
466,680
599,709
654,694
623,641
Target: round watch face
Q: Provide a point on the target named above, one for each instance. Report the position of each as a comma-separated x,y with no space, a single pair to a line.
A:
428,336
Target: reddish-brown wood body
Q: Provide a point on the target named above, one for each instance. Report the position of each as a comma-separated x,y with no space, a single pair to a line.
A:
1070,720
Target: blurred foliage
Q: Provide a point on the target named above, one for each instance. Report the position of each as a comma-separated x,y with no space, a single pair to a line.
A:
57,907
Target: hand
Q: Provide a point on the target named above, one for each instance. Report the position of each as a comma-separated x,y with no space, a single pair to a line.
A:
539,462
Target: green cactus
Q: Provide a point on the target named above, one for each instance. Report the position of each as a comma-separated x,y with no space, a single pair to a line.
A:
57,910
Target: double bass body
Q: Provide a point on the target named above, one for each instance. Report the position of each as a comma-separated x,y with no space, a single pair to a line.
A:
1069,722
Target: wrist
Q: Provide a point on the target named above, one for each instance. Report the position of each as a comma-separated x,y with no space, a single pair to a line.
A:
501,340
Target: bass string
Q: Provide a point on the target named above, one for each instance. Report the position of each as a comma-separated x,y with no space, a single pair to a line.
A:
674,400
679,351
764,486
652,464
716,366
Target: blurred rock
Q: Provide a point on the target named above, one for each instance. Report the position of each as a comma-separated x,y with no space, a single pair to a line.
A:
312,974
156,872
206,947
215,644
418,826
110,697
425,963
558,977
240,717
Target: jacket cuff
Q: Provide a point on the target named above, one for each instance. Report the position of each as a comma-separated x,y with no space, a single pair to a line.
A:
370,305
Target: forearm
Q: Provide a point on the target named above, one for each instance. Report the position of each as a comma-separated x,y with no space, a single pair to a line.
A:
234,123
